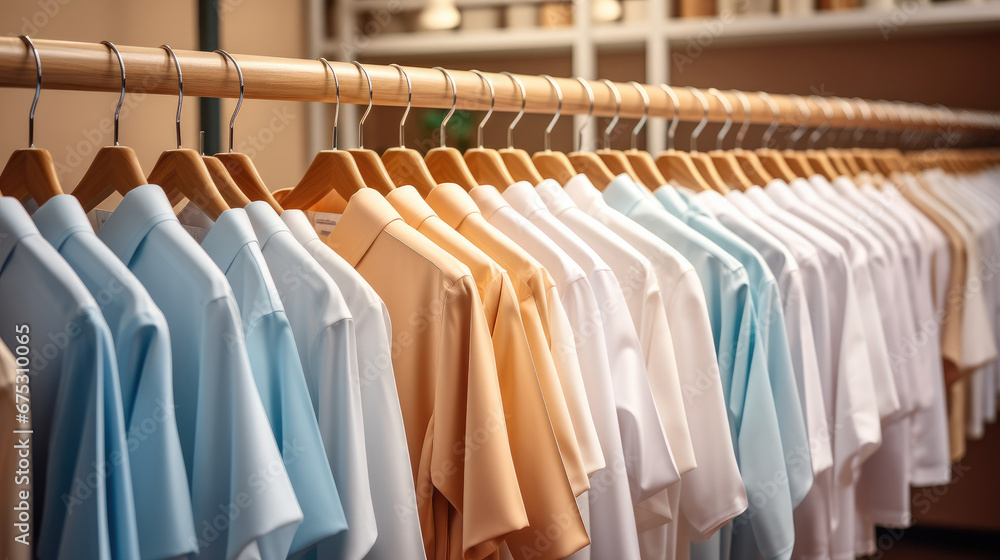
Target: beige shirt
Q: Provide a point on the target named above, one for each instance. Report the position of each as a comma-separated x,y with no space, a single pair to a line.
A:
538,296
468,498
15,485
544,484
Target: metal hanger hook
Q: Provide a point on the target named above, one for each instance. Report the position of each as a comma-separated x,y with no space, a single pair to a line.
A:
336,109
827,109
409,99
559,99
239,102
800,131
675,117
590,111
704,116
454,102
645,113
618,107
371,95
180,90
846,132
510,128
765,139
493,99
866,115
121,98
745,125
721,136
38,89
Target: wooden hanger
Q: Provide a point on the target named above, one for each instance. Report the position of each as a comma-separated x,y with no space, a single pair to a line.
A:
728,168
30,172
181,172
239,167
747,159
446,164
820,159
369,164
115,168
615,160
641,161
674,164
405,165
551,164
330,170
773,161
589,163
486,164
228,188
518,162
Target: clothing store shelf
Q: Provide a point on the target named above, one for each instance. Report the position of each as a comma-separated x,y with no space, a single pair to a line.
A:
908,19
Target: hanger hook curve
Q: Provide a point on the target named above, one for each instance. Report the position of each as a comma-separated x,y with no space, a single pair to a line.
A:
806,113
371,94
239,102
510,128
555,118
493,99
704,116
454,102
765,140
38,89
675,117
180,90
721,136
618,107
645,113
336,107
121,98
590,111
822,129
409,99
745,125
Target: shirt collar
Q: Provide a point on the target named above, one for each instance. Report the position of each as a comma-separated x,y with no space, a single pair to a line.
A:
60,217
622,194
583,193
406,200
712,201
805,191
142,208
264,221
451,203
523,198
230,234
554,197
671,200
15,224
488,199
299,225
366,215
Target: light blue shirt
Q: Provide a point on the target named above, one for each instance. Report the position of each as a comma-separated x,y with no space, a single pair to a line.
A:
281,383
773,334
142,349
325,337
241,497
81,476
753,419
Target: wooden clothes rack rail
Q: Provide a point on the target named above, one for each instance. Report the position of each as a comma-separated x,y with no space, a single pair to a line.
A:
79,66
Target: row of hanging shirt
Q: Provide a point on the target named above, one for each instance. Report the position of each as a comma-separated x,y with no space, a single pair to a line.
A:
525,370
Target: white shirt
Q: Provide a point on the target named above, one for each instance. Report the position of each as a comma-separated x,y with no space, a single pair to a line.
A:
612,521
712,494
651,467
385,438
325,338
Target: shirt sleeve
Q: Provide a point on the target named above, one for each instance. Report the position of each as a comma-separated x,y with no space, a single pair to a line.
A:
339,389
236,460
544,485
281,383
470,456
80,518
713,493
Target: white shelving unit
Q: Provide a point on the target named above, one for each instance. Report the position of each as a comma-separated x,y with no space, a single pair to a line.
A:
582,40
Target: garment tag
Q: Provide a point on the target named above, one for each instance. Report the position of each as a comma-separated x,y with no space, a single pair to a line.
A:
196,232
98,218
323,222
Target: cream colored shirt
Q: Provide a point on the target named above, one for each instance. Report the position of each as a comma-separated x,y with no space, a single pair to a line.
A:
468,498
545,487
